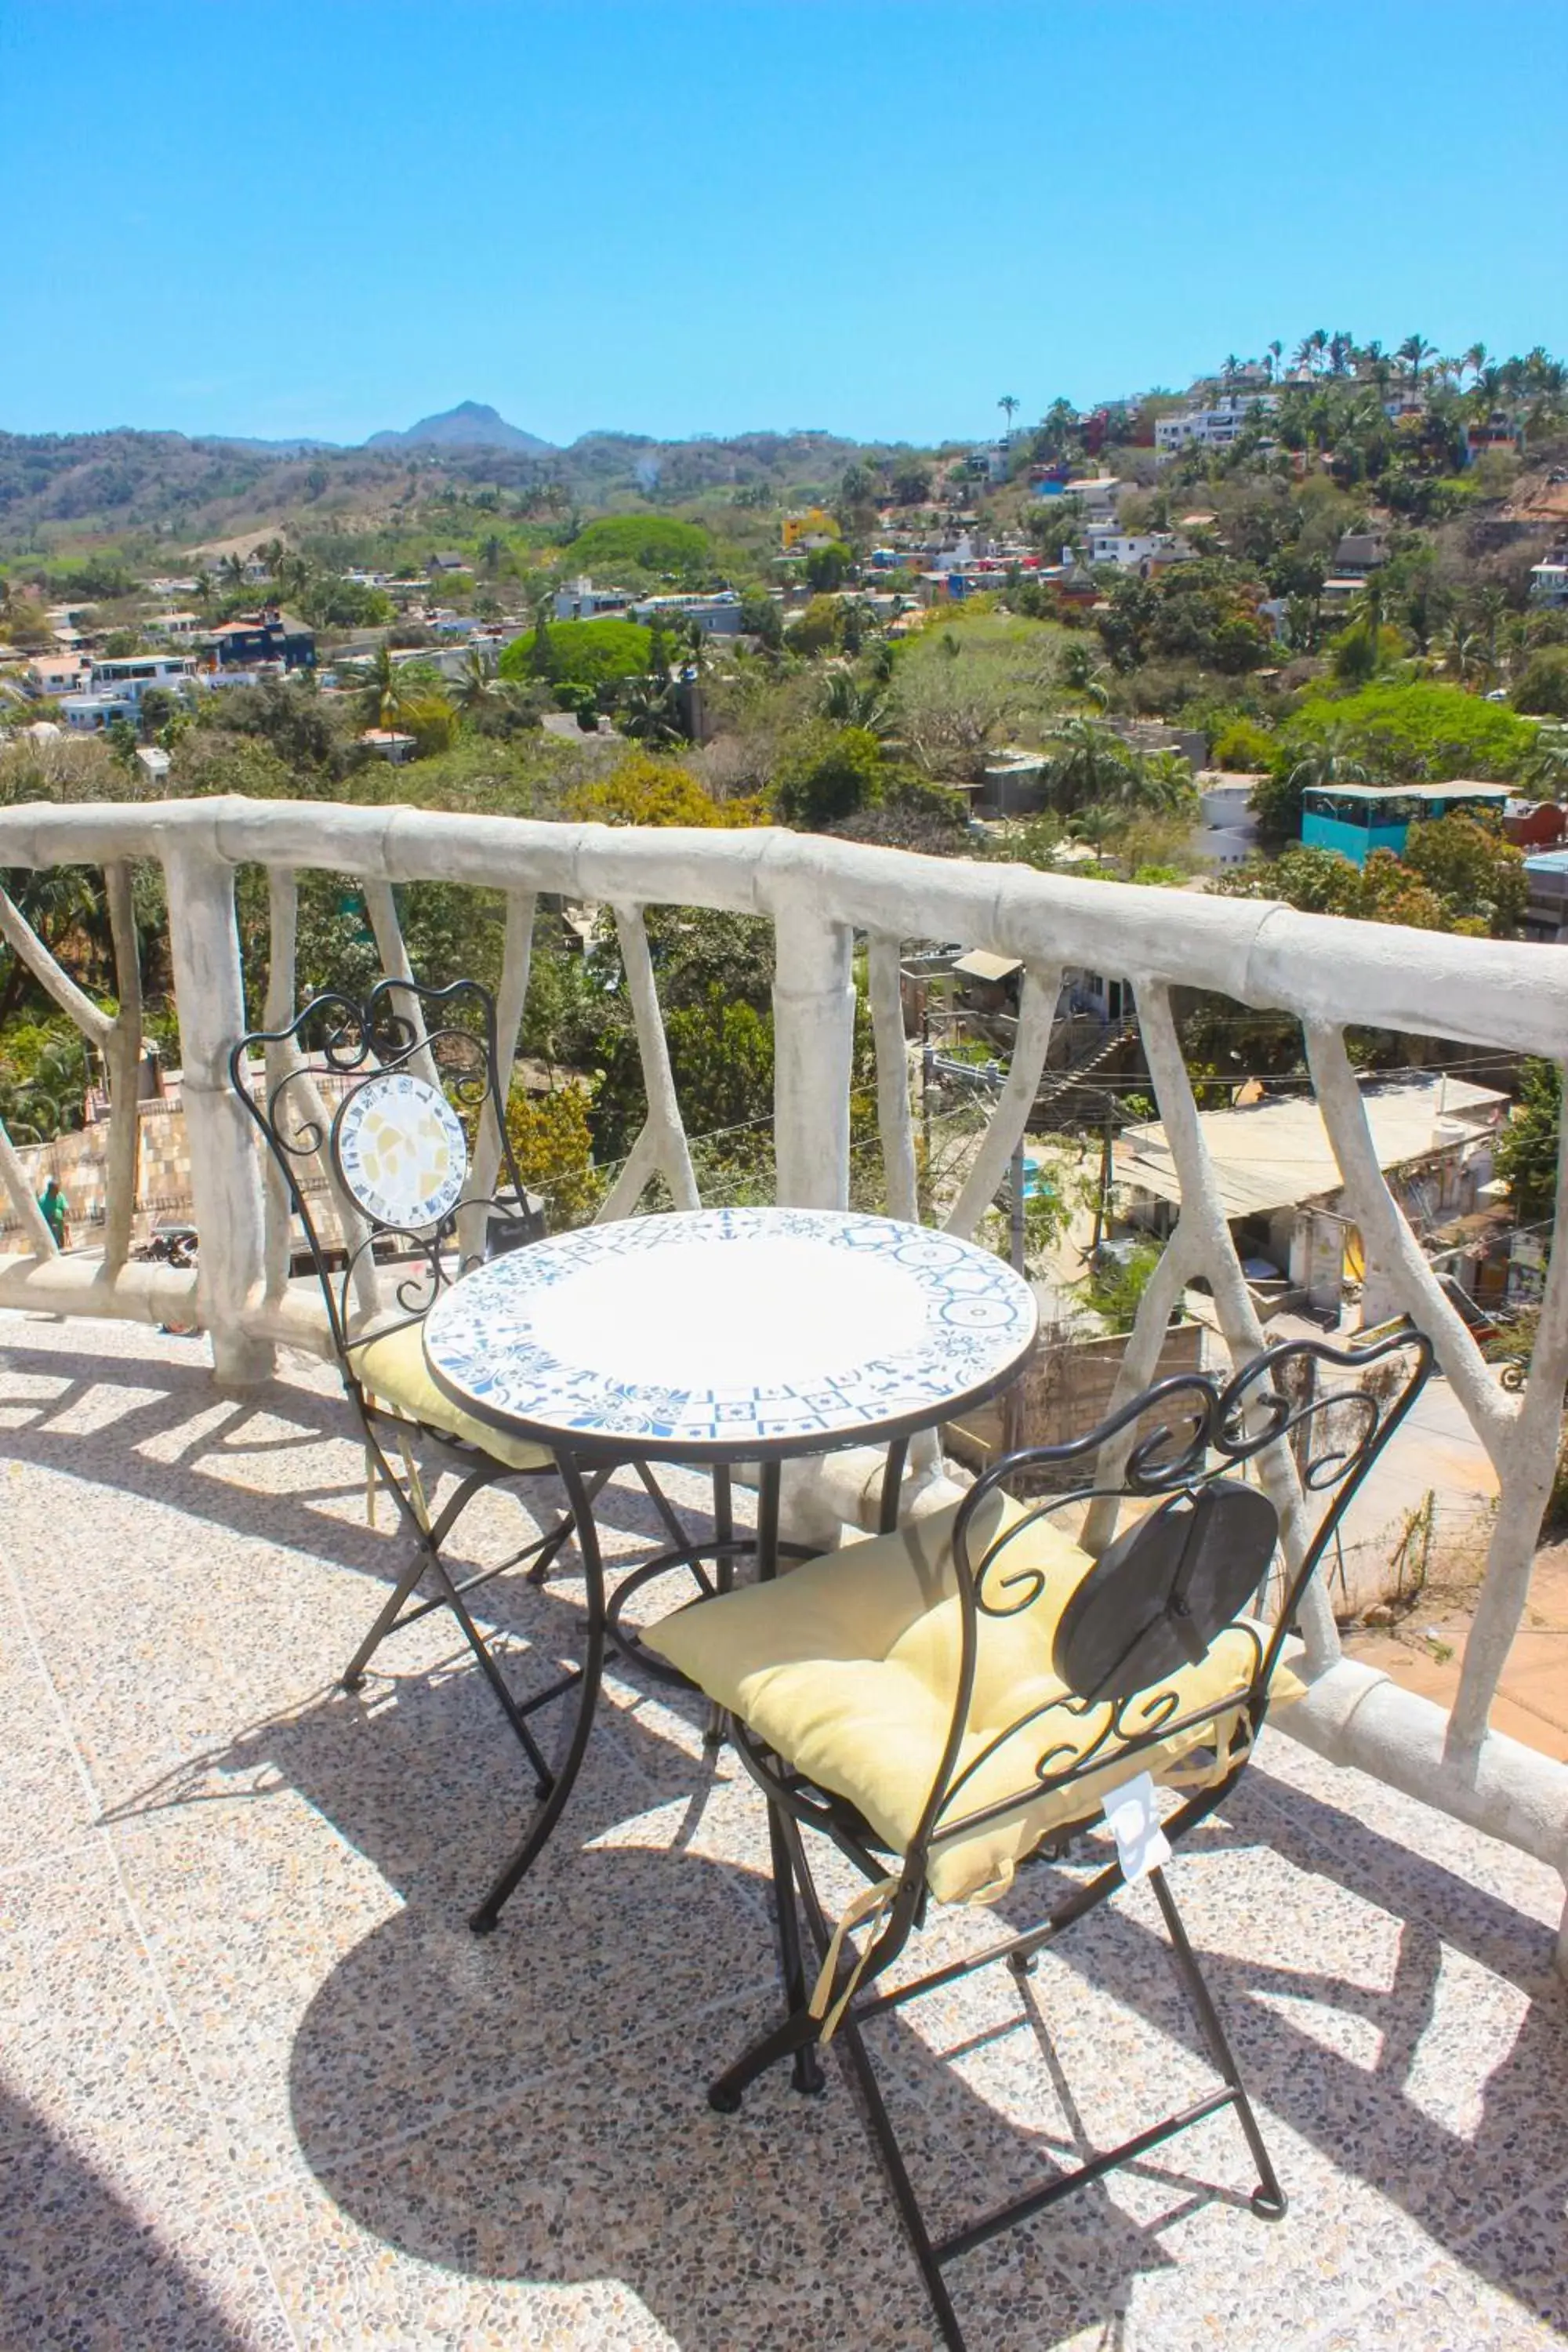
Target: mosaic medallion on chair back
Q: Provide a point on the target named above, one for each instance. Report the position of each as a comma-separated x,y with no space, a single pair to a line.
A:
400,1151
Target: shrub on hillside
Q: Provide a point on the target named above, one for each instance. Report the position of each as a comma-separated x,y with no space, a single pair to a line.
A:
1545,685
642,790
835,772
1242,746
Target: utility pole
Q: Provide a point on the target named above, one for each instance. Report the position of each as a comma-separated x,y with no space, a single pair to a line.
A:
1102,1192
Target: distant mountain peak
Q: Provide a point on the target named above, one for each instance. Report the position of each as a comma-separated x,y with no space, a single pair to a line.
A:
472,424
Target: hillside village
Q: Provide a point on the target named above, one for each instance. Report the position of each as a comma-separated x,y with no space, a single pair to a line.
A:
1300,632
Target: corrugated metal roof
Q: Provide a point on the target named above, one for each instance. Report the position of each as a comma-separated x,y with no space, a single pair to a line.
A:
1271,1155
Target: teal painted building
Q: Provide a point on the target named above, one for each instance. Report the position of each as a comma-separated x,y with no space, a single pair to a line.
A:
1357,819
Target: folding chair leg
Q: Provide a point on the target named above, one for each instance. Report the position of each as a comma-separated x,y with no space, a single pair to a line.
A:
799,2032
1269,2199
903,2186
505,1885
544,1779
352,1675
808,2074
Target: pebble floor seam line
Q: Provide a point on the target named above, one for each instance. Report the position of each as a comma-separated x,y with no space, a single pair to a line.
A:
260,2089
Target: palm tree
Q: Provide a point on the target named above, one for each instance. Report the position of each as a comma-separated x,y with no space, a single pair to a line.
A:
1159,784
1464,652
1275,354
1546,770
1088,766
1475,359
1009,405
475,686
1413,351
650,712
850,703
389,694
1330,761
1301,619
232,569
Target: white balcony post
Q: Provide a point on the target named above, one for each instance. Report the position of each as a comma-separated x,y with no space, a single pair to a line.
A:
814,1044
225,1179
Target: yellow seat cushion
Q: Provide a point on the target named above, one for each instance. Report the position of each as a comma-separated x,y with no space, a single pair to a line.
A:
391,1365
847,1668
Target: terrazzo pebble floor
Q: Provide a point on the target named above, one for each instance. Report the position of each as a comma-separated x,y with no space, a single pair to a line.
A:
259,2087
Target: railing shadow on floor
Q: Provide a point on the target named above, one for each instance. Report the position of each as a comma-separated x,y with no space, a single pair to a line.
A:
80,2280
115,1455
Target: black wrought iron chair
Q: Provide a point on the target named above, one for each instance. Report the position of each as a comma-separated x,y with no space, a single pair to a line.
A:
972,1692
366,1108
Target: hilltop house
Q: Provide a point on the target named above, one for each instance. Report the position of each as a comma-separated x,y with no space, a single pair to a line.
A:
1549,581
814,528
1211,429
1145,553
117,685
579,600
1359,553
253,638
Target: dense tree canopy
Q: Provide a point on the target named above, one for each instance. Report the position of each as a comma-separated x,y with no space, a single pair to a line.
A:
579,653
649,542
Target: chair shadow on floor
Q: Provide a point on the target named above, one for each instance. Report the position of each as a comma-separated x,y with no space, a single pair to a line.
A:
597,2157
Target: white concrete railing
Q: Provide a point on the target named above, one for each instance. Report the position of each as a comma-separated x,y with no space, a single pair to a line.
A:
818,893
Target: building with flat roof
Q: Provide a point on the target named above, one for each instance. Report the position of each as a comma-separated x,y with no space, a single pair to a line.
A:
1357,819
1282,1191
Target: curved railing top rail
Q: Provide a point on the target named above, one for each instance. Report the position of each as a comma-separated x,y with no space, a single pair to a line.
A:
1321,967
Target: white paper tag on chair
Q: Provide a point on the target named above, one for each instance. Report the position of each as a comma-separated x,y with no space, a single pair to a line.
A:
1135,1825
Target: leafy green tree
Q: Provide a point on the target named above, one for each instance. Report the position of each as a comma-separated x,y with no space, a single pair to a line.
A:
1528,1147
1242,746
1472,869
819,629
834,775
579,653
1544,687
827,568
1416,731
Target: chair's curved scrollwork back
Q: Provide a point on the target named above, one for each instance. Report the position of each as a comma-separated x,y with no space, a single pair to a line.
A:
372,1122
1201,1570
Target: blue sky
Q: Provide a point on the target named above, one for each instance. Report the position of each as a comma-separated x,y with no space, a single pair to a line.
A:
676,218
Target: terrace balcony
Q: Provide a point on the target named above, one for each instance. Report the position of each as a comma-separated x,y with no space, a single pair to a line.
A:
261,2086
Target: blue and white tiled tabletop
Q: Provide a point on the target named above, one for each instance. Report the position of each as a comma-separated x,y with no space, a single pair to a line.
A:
727,1331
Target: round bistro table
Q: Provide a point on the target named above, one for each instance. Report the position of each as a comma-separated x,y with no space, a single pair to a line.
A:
713,1337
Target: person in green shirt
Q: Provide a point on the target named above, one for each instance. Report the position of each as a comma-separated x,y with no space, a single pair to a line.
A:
52,1203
